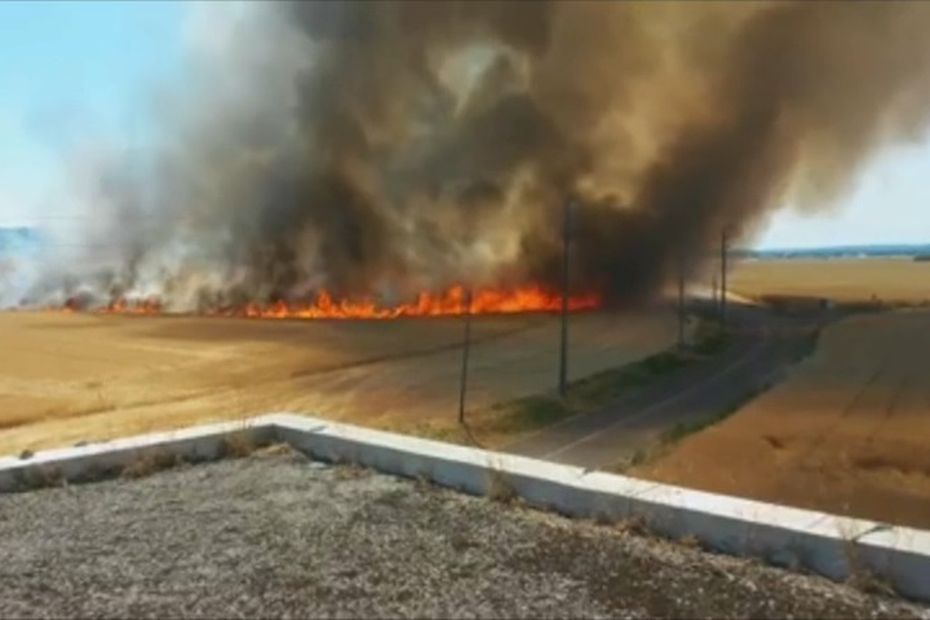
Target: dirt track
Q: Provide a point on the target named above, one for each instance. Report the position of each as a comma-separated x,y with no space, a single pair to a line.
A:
67,378
847,433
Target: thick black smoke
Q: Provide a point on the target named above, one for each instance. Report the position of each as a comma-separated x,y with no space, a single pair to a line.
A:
381,147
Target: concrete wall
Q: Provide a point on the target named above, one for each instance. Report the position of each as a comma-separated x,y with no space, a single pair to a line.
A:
830,545
107,459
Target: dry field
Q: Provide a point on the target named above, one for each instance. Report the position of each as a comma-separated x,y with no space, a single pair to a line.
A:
66,378
844,280
848,432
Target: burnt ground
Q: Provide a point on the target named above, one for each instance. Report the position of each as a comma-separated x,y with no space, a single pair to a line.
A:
276,535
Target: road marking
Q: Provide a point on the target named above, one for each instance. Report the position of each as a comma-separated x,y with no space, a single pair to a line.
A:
636,416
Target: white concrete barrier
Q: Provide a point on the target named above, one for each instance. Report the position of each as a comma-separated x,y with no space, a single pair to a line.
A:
96,461
830,545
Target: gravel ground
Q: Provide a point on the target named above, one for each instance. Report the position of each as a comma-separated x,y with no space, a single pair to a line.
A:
277,535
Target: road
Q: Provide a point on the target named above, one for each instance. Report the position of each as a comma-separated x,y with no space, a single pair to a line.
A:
763,346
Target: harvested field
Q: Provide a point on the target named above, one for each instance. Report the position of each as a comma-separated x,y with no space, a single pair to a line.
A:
847,433
66,378
894,281
279,536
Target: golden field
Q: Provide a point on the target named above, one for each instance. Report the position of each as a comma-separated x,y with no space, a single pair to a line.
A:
890,280
848,432
66,378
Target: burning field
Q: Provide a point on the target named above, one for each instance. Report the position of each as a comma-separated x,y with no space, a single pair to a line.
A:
455,301
70,377
376,160
395,165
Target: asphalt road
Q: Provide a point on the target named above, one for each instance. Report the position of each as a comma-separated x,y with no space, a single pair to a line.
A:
762,347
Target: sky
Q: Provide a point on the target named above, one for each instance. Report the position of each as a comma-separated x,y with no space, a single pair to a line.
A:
81,71
73,72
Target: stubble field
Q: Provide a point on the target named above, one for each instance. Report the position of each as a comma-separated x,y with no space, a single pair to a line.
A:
66,378
889,280
849,431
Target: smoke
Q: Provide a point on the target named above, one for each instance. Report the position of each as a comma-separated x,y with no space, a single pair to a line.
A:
382,148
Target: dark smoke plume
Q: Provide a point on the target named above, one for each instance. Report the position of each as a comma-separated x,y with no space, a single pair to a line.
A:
381,148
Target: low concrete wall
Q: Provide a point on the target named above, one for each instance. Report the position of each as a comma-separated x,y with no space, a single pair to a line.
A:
107,459
830,545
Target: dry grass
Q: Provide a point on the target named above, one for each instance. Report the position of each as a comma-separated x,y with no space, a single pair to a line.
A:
239,444
690,541
351,471
500,487
151,461
277,449
636,525
66,378
41,477
447,430
861,577
846,433
890,281
505,421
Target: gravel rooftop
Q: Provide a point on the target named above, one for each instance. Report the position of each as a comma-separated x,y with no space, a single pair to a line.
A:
278,535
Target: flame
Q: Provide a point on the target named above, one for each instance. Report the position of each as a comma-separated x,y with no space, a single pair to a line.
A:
452,301
148,305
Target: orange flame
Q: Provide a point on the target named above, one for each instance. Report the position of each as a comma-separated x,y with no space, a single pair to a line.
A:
450,302
131,306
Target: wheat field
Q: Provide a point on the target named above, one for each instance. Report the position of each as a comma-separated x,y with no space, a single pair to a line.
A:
848,432
66,378
889,280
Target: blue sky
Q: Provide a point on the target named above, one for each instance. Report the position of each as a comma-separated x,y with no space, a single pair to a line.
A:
73,71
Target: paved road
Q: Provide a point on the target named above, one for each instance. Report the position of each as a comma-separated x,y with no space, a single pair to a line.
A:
764,345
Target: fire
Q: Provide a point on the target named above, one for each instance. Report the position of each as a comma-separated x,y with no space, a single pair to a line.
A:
133,306
452,301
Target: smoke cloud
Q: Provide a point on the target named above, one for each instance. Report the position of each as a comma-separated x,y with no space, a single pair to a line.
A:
379,148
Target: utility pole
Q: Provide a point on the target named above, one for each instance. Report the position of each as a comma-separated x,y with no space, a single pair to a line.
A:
465,350
681,299
566,247
723,276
